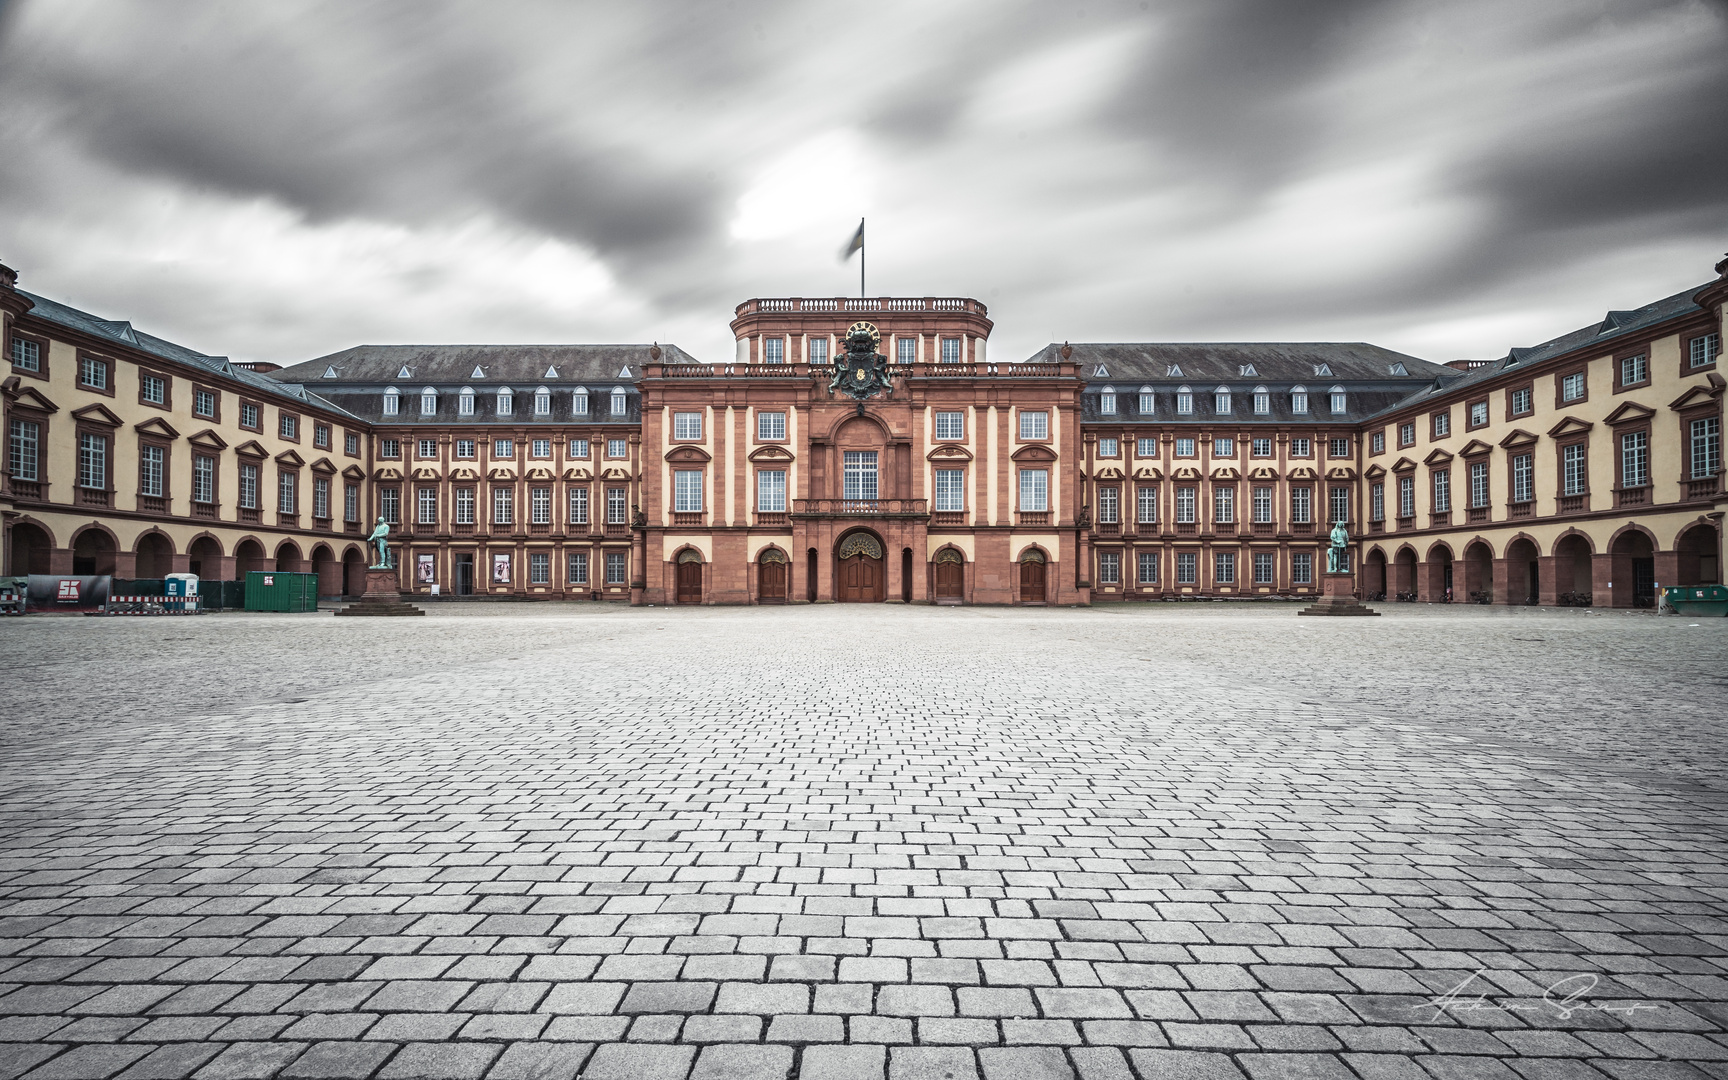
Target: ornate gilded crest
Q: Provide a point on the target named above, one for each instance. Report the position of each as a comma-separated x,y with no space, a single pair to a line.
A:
860,544
863,371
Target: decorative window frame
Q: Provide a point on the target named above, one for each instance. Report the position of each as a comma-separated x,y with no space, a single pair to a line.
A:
1436,419
1470,412
1529,387
1581,368
1686,339
1697,403
161,436
97,420
1631,419
240,415
1570,432
167,402
299,426
215,395
33,407
1627,354
108,364
42,354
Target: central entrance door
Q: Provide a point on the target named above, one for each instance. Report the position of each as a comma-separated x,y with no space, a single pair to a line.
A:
771,577
1032,577
950,576
860,577
689,578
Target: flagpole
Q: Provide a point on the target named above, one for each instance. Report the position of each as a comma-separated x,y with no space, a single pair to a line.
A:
861,259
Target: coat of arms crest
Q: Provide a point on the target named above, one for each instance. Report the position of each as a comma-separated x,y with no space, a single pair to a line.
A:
863,371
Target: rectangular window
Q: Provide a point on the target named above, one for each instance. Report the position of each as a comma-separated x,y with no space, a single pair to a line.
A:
390,504
1338,448
771,492
1406,496
1109,505
1262,403
204,403
617,563
1107,404
321,497
540,448
1478,413
1109,568
1302,568
617,448
464,506
150,468
1106,447
1340,402
248,486
428,448
351,503
93,462
92,373
578,568
1187,448
860,474
153,389
1184,402
1034,425
1262,447
578,450
26,355
249,416
288,426
426,505
505,404
503,505
773,352
1224,568
1185,505
951,355
950,426
906,350
1523,479
1634,370
1147,570
203,479
465,403
578,506
1634,459
1224,505
1187,567
540,505
1706,447
321,436
1407,433
542,403
1299,401
1262,505
389,448
1265,567
392,402
1479,485
579,403
1221,403
770,426
503,449
288,493
1302,505
465,448
539,568
1573,465
1147,402
1377,443
1442,491
1300,448
24,449
1034,490
687,425
617,506
1572,386
818,350
1442,424
687,491
1146,448
950,490
1223,447
351,443
1377,502
1520,401
1704,350
619,402
1338,503
1146,504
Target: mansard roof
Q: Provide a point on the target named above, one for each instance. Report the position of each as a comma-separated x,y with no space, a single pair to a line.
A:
525,366
1213,362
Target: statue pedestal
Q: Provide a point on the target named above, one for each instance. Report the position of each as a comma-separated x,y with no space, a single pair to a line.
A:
382,597
1337,597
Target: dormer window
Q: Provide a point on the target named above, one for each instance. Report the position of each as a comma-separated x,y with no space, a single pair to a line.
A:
1221,401
579,402
542,402
1246,371
506,401
1107,401
1147,401
428,401
1340,403
1174,371
1184,401
465,402
1262,401
1322,369
330,371
620,404
392,401
1299,400
1400,369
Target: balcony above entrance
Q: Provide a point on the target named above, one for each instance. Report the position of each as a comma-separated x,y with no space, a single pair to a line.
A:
861,508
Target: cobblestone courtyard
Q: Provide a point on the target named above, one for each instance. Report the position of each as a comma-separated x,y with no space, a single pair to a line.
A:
535,842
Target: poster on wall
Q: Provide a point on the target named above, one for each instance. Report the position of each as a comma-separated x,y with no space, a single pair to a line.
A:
423,570
500,569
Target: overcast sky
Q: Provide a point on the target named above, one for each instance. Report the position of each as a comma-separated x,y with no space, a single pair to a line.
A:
280,180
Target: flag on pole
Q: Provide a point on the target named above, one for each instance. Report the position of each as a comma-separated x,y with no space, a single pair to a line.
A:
855,244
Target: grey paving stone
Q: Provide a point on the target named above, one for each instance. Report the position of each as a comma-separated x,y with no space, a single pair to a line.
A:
1024,1063
540,1061
735,1062
172,1062
338,1061
93,1062
250,1061
636,1061
931,1063
1184,1065
440,1061
843,1063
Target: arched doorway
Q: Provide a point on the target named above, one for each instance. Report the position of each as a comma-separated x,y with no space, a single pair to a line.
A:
689,576
1437,576
1634,570
950,576
248,556
812,563
1404,574
771,567
205,558
1374,575
1033,576
154,557
329,571
1523,576
905,575
858,569
1572,572
1479,573
288,558
354,572
93,553
1698,560
31,550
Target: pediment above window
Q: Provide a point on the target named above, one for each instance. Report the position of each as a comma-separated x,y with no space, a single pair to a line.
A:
1475,448
158,427
1517,437
354,473
1403,464
615,473
501,472
1225,472
771,453
251,448
1374,472
949,452
1437,458
577,474
1571,425
28,396
1698,397
1185,472
290,459
324,466
1034,452
1629,412
689,455
208,440
1148,472
98,414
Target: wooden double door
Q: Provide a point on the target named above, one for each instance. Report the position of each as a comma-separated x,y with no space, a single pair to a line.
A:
860,580
950,579
689,583
1032,581
771,582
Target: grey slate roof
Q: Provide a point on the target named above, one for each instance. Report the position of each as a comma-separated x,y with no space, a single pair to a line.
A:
517,366
124,333
1214,362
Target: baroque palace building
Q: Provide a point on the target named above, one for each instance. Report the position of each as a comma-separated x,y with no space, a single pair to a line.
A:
1580,471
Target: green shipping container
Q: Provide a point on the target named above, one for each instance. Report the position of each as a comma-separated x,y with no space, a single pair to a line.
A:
272,590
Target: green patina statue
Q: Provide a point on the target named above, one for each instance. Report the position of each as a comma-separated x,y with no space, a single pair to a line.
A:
380,541
1335,554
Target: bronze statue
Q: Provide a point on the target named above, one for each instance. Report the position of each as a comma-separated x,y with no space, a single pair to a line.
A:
380,544
1335,554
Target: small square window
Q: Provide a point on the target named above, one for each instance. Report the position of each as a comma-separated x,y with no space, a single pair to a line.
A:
389,448
92,373
1634,370
1703,351
1338,448
153,389
428,449
541,448
1519,401
773,352
1146,448
770,426
1572,386
289,426
688,425
1223,447
617,448
204,403
1262,447
1301,448
1407,433
503,449
1377,442
351,443
1478,414
578,449
321,436
465,448
950,426
1107,448
1187,447
1034,425
1442,424
26,355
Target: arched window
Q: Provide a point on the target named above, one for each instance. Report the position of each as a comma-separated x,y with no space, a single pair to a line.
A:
1221,401
428,401
465,401
392,401
579,401
1262,401
1107,401
1147,401
1184,401
542,402
506,401
1340,403
620,404
1298,399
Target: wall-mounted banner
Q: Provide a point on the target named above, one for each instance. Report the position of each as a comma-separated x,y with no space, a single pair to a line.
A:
500,569
68,592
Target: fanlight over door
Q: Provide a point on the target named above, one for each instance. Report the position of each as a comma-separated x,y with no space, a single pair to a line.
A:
771,570
689,577
950,575
1032,567
859,577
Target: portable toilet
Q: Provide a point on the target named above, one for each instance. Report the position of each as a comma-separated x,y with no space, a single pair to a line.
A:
182,586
